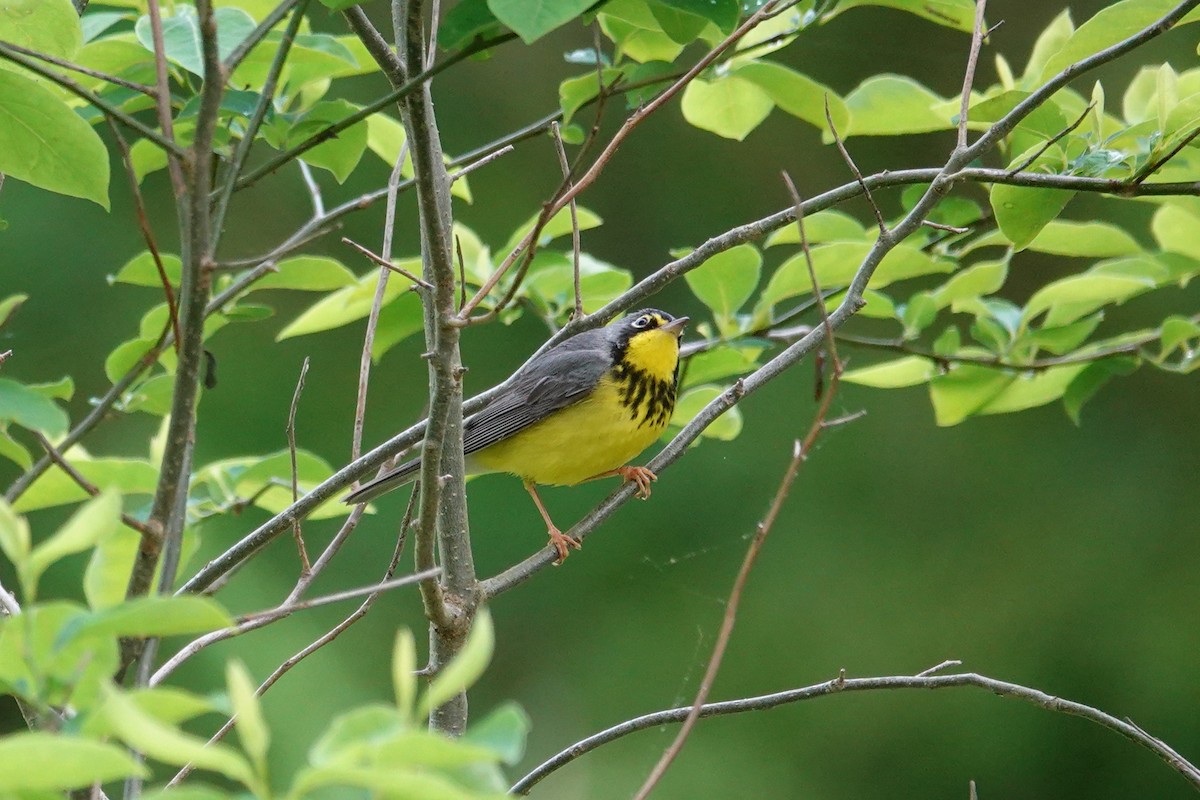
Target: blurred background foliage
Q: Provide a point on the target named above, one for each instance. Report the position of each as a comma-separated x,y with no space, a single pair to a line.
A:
1056,556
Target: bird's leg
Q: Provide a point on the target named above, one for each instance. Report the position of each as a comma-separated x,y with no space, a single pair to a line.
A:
642,476
557,538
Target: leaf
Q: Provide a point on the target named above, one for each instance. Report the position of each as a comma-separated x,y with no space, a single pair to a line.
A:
93,521
168,744
888,105
54,488
160,615
467,21
404,672
964,390
9,306
106,577
901,372
14,535
1176,331
636,31
730,106
465,668
957,14
1069,298
391,782
574,93
339,154
141,270
45,143
13,450
727,280
797,94
919,313
40,760
1177,230
348,304
1109,26
503,731
1021,211
720,362
47,26
533,19
978,280
181,34
31,409
1084,239
559,225
1087,382
725,427
1049,42
252,729
829,225
1062,339
355,732
62,389
307,274
1030,390
39,664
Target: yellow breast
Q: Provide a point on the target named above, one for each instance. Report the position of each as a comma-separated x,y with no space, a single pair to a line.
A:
629,409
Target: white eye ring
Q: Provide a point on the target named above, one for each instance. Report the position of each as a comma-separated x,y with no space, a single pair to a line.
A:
641,322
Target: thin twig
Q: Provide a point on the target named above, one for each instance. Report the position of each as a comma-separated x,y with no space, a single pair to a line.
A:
1053,140
969,74
388,265
305,566
1156,165
239,53
89,487
142,88
314,189
841,685
162,104
566,171
841,146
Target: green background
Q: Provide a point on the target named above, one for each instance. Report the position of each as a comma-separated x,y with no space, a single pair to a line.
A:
1053,556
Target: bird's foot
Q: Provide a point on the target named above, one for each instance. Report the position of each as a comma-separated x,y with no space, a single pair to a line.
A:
561,542
642,476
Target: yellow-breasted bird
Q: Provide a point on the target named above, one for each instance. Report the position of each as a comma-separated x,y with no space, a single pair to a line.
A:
579,411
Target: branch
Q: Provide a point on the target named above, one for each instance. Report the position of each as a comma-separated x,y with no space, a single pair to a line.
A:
149,91
841,685
290,430
162,104
239,53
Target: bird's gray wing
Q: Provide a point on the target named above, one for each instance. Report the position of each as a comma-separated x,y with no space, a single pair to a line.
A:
559,378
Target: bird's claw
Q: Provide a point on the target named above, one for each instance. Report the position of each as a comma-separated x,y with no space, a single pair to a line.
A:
561,543
642,476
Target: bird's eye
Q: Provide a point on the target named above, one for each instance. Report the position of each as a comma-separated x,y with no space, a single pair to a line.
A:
641,322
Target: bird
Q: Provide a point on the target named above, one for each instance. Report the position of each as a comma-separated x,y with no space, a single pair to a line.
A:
577,412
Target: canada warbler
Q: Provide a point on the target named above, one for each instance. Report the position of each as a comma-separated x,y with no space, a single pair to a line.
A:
578,411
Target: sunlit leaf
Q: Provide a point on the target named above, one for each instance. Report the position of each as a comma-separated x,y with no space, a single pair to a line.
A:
1029,390
29,408
729,106
93,521
900,372
1084,239
47,26
252,729
964,390
39,760
181,34
797,94
404,672
1022,211
465,668
307,274
1089,380
829,225
503,731
533,20
54,487
725,427
977,280
727,280
888,105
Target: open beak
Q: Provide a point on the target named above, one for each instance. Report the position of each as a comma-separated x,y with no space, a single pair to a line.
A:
675,326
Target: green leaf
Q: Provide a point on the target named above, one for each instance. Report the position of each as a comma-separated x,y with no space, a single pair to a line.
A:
1029,390
13,450
1070,298
725,427
62,389
252,729
1049,42
31,409
349,303
14,535
919,313
948,342
47,26
1084,239
636,31
1176,331
1022,212
727,280
978,280
93,521
720,362
308,274
533,19
398,320
9,306
1177,230
829,225
1109,26
729,106
465,22
39,663
465,668
40,760
54,488
404,672
678,21
957,14
574,93
141,270
503,731
106,578
964,390
901,372
1087,382
168,744
559,225
797,94
340,154
354,733
888,105
160,615
181,34
45,143
391,782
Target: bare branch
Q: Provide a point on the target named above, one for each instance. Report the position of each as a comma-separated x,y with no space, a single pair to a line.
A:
305,566
969,74
866,190
841,685
387,265
115,80
566,171
162,102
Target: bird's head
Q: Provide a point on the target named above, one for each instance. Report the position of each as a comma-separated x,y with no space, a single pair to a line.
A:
649,341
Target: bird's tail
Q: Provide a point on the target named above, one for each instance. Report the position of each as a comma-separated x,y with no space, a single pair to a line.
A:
399,476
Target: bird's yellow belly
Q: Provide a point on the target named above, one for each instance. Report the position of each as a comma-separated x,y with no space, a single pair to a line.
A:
595,435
